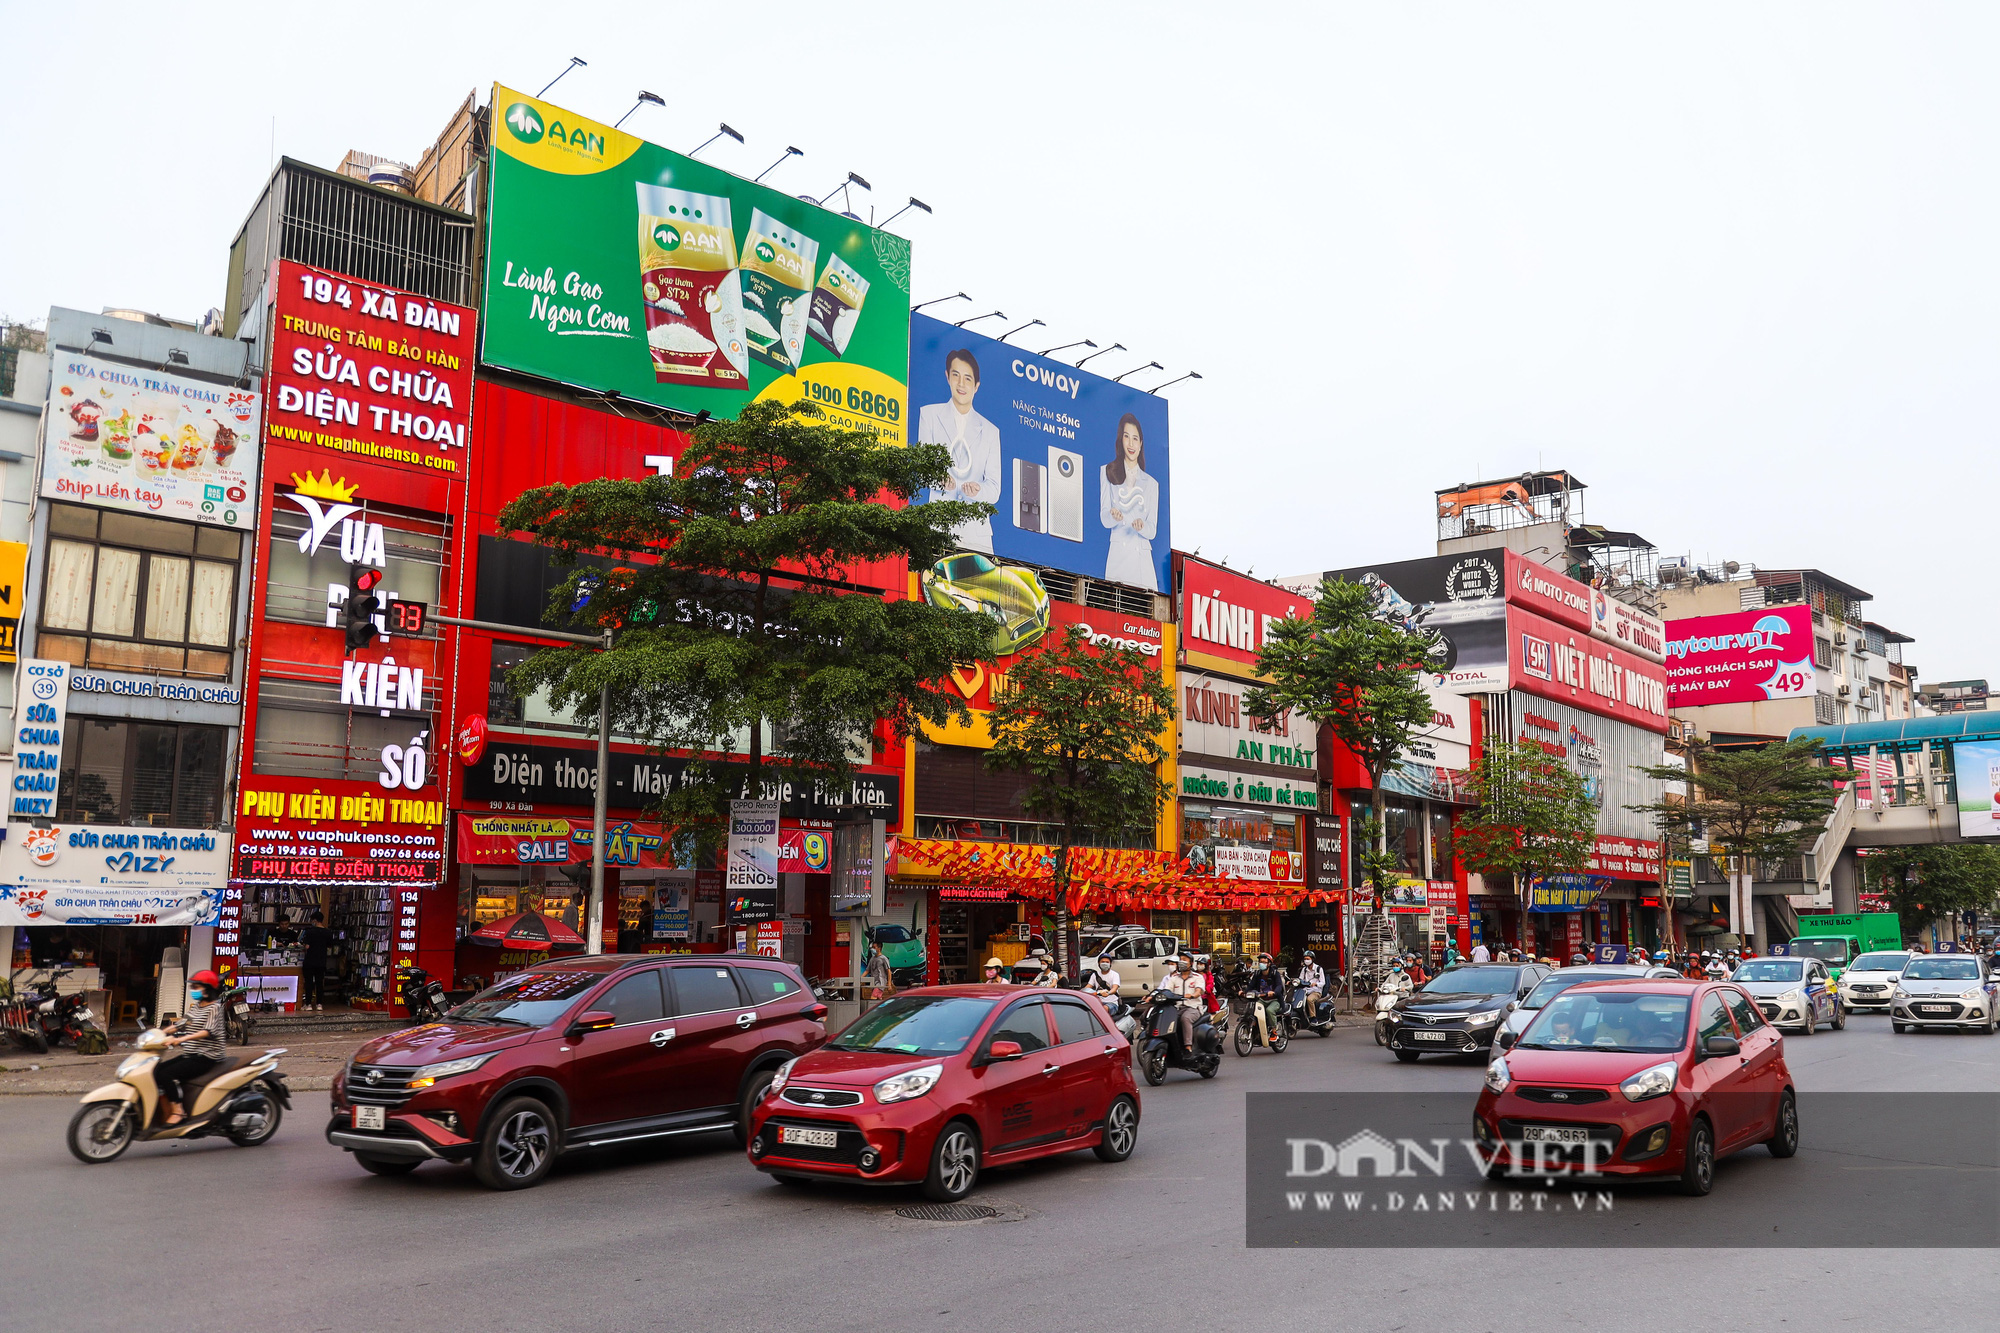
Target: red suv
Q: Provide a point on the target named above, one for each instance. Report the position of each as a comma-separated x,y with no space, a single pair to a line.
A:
935,1085
577,1053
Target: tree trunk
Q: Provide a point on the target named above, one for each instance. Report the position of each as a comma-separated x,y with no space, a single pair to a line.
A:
1061,950
1380,805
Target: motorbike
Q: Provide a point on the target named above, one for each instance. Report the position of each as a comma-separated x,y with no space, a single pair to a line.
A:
1122,1016
236,1016
1243,1027
423,996
1159,1044
1393,988
1319,1021
41,1019
243,1098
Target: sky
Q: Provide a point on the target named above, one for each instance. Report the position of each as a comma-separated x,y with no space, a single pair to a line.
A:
1732,266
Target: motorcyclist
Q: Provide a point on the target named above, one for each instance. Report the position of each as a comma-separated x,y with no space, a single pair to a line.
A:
1103,983
1046,974
1191,988
202,1032
996,973
1716,969
1311,980
1267,990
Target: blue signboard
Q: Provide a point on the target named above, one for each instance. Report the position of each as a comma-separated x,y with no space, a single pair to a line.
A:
1607,953
1565,893
1075,464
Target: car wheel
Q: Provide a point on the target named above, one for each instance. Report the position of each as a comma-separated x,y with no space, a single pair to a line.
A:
1121,1131
519,1147
1899,1027
1243,1037
760,1083
1784,1140
1698,1163
387,1166
1839,1017
1807,1031
954,1163
1407,1057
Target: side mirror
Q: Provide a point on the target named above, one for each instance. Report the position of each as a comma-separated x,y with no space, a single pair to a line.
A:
594,1020
1721,1046
1507,1039
1001,1051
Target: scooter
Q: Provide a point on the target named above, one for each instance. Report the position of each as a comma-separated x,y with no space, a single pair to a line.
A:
59,1020
423,996
1243,1026
242,1098
1121,1016
1160,1041
1319,1021
1394,987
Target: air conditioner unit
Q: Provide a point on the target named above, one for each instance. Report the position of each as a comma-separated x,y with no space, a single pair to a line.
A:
1843,691
1839,640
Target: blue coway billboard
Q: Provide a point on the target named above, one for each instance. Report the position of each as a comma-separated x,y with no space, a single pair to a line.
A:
1076,465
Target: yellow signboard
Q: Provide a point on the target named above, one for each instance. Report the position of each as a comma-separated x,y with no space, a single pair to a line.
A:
13,592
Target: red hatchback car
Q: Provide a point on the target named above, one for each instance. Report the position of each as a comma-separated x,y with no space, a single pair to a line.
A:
1639,1079
936,1085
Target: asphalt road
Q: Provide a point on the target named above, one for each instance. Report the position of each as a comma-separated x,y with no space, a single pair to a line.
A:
293,1236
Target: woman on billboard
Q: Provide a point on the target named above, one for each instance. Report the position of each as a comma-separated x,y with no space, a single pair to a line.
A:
1129,505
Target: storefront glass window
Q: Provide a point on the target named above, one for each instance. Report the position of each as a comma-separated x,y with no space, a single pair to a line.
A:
117,772
1405,823
1174,924
1208,830
1441,853
1239,934
126,591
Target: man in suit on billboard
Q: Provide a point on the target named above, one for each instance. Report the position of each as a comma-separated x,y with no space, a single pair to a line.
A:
975,449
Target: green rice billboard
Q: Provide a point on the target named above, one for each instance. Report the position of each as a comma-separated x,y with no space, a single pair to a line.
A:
616,265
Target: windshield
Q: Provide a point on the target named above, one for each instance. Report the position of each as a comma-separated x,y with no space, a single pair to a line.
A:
1556,985
1831,951
912,1025
892,935
1879,962
533,998
1771,969
1473,981
1942,969
1613,1022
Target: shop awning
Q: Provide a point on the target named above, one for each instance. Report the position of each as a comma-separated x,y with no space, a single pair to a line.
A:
1109,879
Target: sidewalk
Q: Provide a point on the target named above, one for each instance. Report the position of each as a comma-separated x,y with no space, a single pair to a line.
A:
309,1063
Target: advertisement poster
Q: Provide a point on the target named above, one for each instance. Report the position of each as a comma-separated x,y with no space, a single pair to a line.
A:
1226,615
671,919
1741,657
620,266
296,830
1214,722
1565,893
1209,784
751,870
149,442
1580,606
1563,665
94,905
1457,602
1408,897
41,702
1077,465
371,372
1258,863
1978,767
977,682
553,840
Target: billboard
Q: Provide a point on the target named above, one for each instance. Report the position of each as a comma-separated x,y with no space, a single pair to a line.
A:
979,684
1578,605
1215,722
1740,657
1456,601
1076,465
1226,616
619,266
363,371
1558,663
1978,767
151,443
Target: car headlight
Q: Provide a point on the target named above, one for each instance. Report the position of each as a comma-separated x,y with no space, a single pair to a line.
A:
1900,994
1498,1076
1649,1083
130,1063
782,1077
1484,1017
430,1074
1972,993
1792,997
905,1086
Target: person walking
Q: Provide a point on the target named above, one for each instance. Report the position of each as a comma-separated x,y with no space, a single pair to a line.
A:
312,967
879,978
1480,954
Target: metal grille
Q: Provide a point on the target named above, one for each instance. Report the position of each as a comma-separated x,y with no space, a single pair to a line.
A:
1565,1096
820,1097
947,1212
391,1087
353,228
1097,594
1933,1009
1826,709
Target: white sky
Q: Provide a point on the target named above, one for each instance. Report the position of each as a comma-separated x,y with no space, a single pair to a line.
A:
1734,266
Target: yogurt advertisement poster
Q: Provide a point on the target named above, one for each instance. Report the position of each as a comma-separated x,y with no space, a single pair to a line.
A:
620,266
123,437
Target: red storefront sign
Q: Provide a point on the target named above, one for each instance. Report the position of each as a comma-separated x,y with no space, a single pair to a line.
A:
1625,858
296,830
369,372
1568,666
1562,599
1225,615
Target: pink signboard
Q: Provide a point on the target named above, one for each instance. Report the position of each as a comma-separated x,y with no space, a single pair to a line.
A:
1741,657
1569,666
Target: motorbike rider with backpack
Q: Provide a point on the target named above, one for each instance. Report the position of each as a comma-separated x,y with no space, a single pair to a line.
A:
1103,983
1311,980
1267,991
1192,987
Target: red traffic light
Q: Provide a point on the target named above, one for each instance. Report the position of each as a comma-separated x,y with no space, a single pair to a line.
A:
366,580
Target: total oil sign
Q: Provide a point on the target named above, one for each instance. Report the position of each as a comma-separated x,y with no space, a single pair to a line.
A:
1741,657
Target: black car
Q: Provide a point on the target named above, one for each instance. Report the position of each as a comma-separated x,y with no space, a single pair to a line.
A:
1457,1011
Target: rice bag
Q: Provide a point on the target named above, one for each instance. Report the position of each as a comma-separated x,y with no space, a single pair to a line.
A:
836,306
687,271
777,274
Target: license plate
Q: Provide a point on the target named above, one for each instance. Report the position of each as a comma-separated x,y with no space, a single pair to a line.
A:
1554,1134
809,1138
1425,1036
1935,1008
368,1117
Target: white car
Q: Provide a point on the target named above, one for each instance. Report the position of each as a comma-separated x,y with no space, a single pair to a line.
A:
1139,956
1870,979
1792,992
1949,990
1560,980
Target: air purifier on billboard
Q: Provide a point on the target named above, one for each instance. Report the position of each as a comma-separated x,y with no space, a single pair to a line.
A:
1029,513
1063,506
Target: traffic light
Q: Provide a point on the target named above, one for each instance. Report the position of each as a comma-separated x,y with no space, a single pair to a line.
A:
361,606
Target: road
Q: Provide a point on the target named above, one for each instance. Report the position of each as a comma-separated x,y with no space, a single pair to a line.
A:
293,1236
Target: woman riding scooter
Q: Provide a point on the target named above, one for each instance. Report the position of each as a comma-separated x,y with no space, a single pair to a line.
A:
200,1036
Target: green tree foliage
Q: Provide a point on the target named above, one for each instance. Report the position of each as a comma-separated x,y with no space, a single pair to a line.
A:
1084,723
1534,815
1763,804
1925,883
729,588
1349,671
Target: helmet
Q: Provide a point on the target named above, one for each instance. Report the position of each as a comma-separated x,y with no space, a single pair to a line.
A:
207,979
995,963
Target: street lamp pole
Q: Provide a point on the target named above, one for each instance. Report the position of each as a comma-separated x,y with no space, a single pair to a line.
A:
594,921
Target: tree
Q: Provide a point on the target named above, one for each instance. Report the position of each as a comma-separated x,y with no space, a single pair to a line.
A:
1752,805
1925,883
1354,673
1084,723
1534,816
736,614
